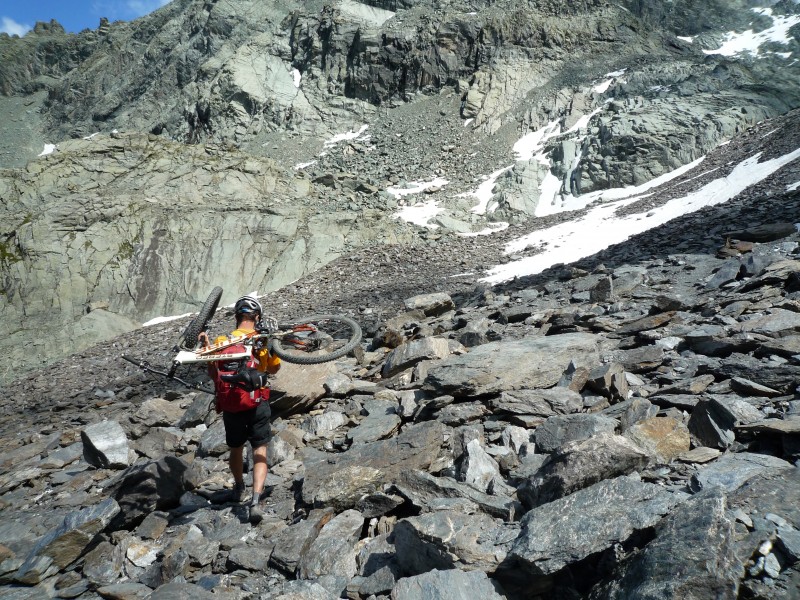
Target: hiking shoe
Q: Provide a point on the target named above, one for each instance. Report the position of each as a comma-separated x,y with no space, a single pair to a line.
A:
256,514
237,493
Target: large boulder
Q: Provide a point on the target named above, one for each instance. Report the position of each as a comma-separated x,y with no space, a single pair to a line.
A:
589,521
533,362
577,465
340,480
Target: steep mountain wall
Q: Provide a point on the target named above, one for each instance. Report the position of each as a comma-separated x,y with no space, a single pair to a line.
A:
228,110
157,228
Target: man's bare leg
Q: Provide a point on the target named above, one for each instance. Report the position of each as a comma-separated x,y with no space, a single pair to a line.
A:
259,471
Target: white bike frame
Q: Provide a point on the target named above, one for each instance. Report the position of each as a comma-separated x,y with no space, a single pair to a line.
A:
209,353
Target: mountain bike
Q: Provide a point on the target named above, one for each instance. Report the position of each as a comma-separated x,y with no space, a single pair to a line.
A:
305,341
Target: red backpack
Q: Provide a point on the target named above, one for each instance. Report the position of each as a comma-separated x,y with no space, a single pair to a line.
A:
229,397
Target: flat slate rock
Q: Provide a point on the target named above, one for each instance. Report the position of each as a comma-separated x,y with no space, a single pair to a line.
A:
578,465
340,480
447,585
534,362
563,532
692,556
448,539
423,489
733,470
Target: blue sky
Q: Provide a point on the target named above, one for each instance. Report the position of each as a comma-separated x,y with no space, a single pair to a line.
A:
19,16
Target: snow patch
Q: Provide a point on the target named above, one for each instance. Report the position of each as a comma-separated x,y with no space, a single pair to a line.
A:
420,214
750,41
48,149
157,320
601,227
350,135
532,143
484,192
488,230
551,202
417,187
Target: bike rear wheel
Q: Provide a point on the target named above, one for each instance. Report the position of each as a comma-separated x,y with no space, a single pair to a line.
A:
188,340
316,339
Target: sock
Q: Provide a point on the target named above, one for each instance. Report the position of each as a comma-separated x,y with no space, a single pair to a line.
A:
256,497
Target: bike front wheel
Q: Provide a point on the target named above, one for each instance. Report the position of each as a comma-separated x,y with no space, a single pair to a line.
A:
316,339
188,340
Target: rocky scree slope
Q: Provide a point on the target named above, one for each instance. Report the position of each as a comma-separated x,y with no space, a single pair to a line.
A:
213,90
622,427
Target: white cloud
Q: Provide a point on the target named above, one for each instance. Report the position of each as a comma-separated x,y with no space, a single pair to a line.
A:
11,27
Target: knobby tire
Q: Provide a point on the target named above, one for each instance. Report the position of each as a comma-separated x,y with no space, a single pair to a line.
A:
189,339
351,333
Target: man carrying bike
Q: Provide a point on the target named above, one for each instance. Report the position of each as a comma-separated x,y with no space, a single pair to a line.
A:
242,396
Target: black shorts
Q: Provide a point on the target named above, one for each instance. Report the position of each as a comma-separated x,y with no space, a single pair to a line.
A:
248,426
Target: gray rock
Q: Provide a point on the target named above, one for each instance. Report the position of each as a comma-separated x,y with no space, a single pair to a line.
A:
409,354
725,274
155,485
431,304
789,543
381,422
379,582
693,555
637,410
105,445
333,550
731,471
158,412
278,451
368,466
291,544
127,590
64,544
180,591
338,385
474,333
212,441
713,420
516,438
452,540
196,412
578,465
377,504
542,403
422,489
591,520
447,585
477,468
536,362
304,590
776,323
560,429
250,558
103,564
609,381
318,425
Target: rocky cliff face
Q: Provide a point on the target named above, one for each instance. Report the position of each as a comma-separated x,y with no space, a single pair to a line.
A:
616,95
625,426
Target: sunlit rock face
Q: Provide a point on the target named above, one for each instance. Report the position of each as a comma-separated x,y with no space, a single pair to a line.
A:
249,144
